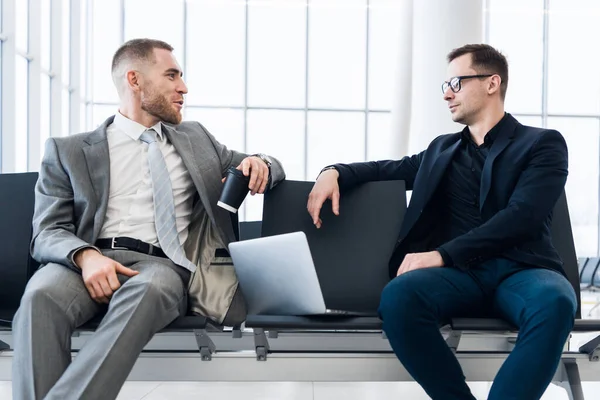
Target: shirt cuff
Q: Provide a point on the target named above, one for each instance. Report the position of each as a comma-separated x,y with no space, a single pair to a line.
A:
445,257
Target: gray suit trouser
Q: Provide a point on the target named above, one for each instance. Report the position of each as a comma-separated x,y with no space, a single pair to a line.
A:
56,302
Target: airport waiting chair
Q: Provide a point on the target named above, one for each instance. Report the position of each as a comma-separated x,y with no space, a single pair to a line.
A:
268,327
250,229
16,266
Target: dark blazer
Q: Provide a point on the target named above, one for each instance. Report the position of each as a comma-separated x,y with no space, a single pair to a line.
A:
522,178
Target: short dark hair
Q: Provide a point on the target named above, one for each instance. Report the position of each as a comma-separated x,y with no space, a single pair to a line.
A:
485,60
138,49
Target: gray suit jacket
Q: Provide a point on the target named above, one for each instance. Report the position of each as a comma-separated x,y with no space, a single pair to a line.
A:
71,197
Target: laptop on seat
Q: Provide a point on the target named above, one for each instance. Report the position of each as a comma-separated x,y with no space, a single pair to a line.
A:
278,277
350,252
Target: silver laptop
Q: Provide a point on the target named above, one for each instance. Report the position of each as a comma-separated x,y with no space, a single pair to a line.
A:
278,277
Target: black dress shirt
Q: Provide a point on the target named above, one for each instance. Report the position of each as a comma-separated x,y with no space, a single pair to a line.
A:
458,193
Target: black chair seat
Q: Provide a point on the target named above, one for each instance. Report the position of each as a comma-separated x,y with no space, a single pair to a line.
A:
6,317
586,325
312,323
187,323
499,325
481,324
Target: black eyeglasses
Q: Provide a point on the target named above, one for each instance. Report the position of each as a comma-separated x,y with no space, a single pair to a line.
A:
454,83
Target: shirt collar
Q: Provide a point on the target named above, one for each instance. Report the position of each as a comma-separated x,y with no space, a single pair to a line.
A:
134,129
489,137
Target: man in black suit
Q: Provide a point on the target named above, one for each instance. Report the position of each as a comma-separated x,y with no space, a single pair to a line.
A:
475,240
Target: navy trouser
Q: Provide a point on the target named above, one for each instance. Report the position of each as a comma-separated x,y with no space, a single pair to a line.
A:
539,301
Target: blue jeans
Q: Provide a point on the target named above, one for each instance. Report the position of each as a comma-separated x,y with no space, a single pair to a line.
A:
541,302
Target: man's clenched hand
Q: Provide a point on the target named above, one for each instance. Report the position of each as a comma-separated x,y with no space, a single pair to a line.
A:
100,274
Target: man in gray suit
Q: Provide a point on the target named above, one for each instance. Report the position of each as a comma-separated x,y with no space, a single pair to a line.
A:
110,241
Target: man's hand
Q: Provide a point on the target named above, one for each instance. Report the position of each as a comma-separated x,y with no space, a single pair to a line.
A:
258,171
431,259
326,187
100,274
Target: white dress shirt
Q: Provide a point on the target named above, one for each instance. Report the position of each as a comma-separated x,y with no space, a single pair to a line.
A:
130,210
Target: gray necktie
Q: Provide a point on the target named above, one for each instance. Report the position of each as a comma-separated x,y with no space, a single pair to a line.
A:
164,206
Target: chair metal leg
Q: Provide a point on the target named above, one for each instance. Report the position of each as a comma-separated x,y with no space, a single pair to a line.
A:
592,348
261,344
453,340
205,344
574,389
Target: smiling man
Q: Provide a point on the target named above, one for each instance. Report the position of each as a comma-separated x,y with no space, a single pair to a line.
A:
475,240
124,217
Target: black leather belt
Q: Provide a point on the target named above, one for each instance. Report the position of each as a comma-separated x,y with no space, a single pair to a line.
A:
127,243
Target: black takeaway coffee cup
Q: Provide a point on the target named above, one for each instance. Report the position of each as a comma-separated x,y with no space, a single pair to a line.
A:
234,190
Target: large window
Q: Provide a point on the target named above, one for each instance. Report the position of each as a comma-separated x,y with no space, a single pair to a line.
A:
45,65
36,97
274,76
554,83
65,68
2,38
268,76
21,111
22,85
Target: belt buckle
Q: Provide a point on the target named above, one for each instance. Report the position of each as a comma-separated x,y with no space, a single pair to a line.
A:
114,246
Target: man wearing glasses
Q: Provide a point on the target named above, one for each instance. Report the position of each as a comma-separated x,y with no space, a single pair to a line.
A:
476,239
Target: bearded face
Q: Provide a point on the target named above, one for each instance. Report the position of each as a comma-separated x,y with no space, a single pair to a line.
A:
159,105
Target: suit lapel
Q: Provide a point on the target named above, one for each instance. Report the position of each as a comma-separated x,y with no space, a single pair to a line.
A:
421,197
97,158
183,145
501,142
438,169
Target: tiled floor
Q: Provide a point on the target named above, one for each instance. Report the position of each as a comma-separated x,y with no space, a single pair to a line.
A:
5,390
261,391
294,391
